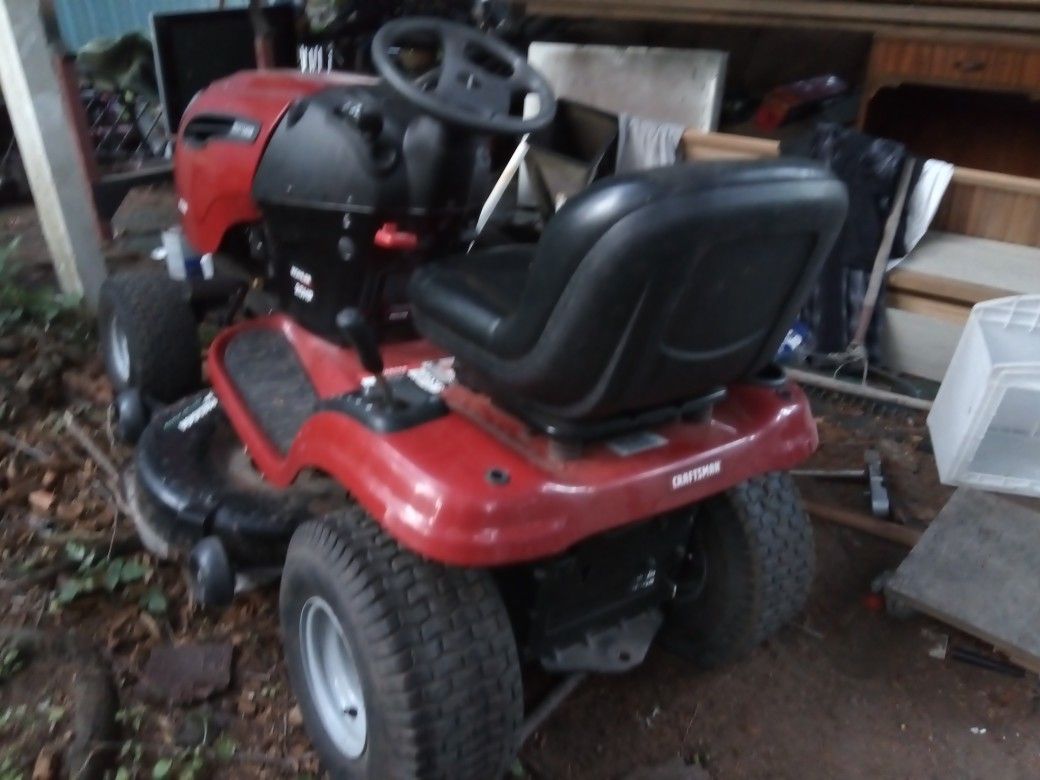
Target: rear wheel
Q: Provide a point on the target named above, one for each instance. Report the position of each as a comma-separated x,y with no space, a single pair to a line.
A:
403,668
748,573
149,337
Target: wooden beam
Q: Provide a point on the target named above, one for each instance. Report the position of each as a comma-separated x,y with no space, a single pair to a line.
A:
929,307
885,529
49,150
45,130
943,288
850,14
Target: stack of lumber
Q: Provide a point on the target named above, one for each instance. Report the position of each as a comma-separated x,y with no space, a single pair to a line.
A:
931,293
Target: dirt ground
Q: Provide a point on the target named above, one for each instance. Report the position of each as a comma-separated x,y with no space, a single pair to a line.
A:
848,691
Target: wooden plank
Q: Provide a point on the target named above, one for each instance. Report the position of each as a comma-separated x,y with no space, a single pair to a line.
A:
1002,182
943,288
851,15
929,307
726,146
977,568
981,264
50,150
990,210
884,529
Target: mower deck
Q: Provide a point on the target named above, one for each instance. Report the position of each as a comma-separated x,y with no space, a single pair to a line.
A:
474,486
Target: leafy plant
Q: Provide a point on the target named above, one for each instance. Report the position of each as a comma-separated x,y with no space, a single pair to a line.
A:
9,769
11,662
20,304
95,573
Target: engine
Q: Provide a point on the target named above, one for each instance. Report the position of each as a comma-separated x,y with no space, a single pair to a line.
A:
346,187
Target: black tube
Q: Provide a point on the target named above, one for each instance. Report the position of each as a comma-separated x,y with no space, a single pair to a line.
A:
966,656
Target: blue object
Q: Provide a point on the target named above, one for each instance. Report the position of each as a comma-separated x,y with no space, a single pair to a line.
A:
797,345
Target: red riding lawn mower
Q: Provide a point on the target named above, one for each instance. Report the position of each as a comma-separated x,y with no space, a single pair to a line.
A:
462,455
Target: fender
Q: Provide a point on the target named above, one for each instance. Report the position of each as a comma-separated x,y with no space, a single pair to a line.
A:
430,486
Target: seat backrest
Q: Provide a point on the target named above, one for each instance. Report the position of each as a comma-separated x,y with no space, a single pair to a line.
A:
654,288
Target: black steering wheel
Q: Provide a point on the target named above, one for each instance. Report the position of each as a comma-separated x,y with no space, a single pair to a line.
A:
478,81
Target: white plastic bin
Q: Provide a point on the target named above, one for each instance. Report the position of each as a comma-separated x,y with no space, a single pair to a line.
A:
985,424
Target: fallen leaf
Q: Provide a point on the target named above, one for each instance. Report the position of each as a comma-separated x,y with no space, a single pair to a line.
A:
296,716
41,500
45,767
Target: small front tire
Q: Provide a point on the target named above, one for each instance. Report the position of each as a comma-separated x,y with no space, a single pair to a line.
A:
403,668
149,336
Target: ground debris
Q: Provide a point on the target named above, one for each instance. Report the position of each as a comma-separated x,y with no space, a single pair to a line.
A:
674,769
187,673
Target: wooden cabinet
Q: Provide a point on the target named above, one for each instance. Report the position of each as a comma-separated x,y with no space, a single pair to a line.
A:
975,103
956,64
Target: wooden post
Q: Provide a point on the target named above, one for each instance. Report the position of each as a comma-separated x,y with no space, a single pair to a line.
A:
47,141
263,41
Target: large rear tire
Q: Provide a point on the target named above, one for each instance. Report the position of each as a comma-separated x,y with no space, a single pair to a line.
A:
403,668
749,572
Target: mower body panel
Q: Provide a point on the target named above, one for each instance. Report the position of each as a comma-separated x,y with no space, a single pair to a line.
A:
476,488
221,143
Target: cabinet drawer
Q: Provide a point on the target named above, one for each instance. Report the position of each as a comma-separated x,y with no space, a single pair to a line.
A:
957,64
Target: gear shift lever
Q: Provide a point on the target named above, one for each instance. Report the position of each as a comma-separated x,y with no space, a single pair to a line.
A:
352,325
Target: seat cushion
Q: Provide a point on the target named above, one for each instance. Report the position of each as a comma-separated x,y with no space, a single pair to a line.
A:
473,294
645,291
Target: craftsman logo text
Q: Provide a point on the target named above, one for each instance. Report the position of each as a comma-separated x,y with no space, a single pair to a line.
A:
194,416
687,478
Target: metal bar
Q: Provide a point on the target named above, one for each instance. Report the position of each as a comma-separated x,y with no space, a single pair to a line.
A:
548,705
862,391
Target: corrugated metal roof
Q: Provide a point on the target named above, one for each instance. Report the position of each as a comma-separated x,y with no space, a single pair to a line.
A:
83,20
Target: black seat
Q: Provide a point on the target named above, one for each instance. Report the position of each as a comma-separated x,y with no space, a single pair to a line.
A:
645,291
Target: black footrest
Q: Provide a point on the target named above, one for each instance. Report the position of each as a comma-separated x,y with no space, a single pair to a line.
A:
273,384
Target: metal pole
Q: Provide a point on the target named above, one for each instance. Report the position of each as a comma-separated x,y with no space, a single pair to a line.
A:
862,391
548,705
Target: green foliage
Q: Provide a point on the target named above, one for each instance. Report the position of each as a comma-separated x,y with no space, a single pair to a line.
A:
154,601
11,662
9,769
19,304
95,573
225,748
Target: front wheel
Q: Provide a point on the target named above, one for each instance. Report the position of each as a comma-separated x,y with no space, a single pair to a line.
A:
403,668
149,337
748,572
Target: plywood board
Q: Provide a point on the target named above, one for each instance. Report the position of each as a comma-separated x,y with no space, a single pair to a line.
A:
992,205
966,270
918,344
683,86
977,568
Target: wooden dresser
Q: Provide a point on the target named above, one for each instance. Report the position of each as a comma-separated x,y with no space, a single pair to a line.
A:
975,103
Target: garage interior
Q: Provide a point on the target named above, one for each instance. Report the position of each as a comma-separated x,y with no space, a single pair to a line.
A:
232,332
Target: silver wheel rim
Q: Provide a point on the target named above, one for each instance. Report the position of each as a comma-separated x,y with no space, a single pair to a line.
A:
119,351
332,677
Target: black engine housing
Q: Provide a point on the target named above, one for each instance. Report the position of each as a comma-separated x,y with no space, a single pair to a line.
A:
343,164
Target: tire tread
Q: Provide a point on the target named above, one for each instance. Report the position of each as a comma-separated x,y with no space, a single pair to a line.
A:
440,643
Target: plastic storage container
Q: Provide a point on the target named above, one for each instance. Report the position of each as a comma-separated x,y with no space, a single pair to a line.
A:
985,424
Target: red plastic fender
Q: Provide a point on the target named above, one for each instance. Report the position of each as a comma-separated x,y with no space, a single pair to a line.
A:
477,488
